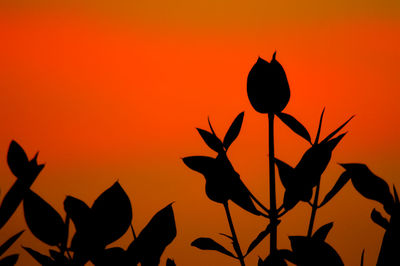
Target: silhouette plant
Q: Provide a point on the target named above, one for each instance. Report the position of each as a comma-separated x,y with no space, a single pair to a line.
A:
269,93
96,227
375,188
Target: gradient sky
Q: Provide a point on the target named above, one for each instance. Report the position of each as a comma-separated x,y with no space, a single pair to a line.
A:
113,90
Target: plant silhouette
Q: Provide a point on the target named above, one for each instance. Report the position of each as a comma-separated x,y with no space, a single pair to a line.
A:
269,93
108,219
84,233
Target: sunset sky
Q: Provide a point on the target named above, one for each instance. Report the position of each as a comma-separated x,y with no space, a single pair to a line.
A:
113,90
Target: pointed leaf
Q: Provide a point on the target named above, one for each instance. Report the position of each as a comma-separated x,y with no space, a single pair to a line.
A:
42,259
379,219
17,159
362,257
319,127
227,236
369,185
286,173
154,238
112,213
170,262
20,166
206,243
201,164
336,131
342,180
295,126
233,131
211,140
78,212
323,231
43,221
9,260
6,245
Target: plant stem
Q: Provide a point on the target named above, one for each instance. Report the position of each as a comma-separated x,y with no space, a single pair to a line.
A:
314,210
234,237
272,192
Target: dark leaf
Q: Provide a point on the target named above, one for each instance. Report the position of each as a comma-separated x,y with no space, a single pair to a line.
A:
295,126
323,231
170,262
259,238
205,243
12,200
342,180
369,185
286,173
9,260
154,238
396,196
112,213
319,127
233,131
331,144
6,245
43,221
336,131
211,140
78,212
362,257
201,164
17,159
290,199
20,166
311,251
379,219
42,259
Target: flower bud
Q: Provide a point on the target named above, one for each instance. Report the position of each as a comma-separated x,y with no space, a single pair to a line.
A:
267,86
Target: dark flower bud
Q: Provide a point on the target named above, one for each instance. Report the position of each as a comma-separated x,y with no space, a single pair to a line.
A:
267,86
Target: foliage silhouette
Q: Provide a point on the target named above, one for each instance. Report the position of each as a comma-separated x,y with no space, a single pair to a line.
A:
95,227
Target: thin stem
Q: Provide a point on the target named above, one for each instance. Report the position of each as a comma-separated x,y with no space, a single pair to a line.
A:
234,237
314,210
272,193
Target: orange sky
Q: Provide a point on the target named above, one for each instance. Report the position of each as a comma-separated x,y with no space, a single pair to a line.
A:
115,91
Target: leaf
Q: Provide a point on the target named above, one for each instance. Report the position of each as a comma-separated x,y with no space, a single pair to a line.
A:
362,257
201,164
170,262
260,237
42,259
20,166
319,127
154,238
112,214
295,126
43,221
206,243
369,185
9,260
323,231
6,245
17,159
211,140
286,173
233,131
336,131
342,180
12,200
111,256
78,212
227,236
311,251
379,219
